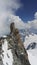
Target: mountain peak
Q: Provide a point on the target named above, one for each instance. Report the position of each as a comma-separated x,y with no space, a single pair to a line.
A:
12,48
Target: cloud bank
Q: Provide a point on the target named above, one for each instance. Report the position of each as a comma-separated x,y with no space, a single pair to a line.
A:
7,9
9,5
32,25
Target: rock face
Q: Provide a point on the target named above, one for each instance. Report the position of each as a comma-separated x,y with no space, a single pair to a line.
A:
32,46
20,56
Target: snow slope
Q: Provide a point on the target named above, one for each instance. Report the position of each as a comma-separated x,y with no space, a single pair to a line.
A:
8,57
29,39
32,59
32,53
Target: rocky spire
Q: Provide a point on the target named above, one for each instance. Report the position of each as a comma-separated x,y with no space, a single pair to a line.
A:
19,50
12,27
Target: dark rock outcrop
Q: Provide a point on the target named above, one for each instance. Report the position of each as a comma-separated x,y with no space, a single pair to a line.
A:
31,45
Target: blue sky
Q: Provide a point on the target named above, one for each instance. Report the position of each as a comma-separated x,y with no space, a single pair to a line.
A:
27,11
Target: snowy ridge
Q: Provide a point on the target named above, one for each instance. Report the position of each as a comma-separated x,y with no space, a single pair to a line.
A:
32,59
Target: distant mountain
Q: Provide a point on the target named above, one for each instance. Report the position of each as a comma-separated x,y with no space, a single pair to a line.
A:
24,33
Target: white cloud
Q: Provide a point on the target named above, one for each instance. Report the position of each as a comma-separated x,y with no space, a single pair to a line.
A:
35,15
7,8
6,19
30,26
9,5
18,21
